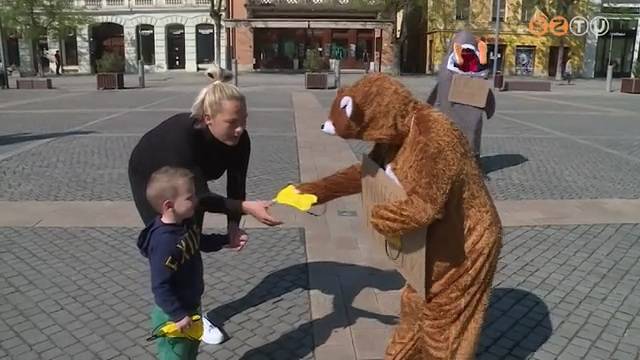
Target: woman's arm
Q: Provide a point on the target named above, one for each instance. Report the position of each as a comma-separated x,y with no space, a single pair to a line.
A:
237,179
211,202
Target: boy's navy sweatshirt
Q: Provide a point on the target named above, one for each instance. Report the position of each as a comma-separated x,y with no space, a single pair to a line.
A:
173,251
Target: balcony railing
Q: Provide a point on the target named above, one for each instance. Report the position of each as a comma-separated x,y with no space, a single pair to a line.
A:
333,6
120,4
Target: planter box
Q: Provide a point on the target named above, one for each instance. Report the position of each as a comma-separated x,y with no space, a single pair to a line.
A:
42,84
526,85
34,84
314,80
630,86
24,84
110,81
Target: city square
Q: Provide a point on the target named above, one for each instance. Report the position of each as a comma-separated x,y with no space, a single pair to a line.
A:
562,167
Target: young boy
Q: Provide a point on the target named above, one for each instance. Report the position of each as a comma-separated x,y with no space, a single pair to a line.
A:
172,243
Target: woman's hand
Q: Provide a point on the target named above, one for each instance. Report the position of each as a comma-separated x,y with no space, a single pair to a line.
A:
237,237
259,210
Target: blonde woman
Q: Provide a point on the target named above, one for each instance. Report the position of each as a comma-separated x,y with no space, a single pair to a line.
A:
209,141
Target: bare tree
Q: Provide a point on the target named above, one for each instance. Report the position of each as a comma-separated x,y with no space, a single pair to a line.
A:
216,12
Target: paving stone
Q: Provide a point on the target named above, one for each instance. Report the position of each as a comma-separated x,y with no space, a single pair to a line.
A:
582,275
579,322
67,335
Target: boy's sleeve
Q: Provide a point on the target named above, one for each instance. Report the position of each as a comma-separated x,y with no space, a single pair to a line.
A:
213,242
165,258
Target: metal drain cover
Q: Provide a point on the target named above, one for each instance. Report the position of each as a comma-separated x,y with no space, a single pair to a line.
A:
350,213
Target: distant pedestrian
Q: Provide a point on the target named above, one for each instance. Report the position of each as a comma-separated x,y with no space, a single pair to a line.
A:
58,62
568,71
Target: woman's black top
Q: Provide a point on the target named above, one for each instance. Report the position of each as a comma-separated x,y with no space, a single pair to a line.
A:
180,142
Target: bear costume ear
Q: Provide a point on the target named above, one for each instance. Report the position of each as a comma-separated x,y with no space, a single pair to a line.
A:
346,104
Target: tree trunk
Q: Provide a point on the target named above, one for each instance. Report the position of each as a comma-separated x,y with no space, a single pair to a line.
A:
397,57
400,42
559,67
37,61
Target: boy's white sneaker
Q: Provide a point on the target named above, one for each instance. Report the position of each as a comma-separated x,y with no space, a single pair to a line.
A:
211,334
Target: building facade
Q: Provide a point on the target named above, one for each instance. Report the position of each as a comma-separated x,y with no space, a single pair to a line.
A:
276,35
519,51
620,45
165,34
180,35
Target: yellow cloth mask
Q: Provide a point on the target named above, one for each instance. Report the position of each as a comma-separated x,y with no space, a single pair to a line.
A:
290,196
169,329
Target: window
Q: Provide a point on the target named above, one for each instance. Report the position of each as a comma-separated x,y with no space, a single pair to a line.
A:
562,7
525,60
462,9
494,8
146,49
527,10
70,49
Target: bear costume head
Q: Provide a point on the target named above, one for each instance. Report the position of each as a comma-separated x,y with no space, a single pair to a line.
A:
376,108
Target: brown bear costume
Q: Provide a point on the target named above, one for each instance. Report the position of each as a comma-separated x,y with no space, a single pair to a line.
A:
425,153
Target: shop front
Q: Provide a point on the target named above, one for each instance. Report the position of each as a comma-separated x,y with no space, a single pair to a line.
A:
617,47
286,48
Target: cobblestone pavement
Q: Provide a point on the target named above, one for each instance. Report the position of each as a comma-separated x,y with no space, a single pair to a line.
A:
568,292
92,159
560,292
83,293
554,146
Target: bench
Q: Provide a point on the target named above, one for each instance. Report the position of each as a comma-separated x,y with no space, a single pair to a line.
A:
33,84
526,85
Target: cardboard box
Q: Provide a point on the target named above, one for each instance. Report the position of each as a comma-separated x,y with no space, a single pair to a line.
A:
469,90
408,253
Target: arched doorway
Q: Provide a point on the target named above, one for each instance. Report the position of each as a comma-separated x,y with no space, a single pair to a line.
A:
106,38
175,46
205,35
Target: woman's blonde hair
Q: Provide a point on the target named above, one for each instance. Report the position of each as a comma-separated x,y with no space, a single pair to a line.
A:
210,97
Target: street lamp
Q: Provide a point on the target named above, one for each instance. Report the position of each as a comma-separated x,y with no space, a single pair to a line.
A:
495,43
3,59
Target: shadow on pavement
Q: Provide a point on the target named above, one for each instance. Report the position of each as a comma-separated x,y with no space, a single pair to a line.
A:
502,161
353,278
516,325
24,137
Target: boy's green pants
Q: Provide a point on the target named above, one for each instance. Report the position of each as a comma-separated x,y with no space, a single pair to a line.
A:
172,348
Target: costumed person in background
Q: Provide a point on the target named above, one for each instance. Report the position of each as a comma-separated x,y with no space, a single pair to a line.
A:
209,141
421,149
467,56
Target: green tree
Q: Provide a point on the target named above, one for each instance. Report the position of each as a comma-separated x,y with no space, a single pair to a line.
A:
33,19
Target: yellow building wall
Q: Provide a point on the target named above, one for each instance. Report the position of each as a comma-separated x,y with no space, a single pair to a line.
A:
513,33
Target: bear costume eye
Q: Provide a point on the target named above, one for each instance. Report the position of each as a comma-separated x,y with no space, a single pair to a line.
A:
346,103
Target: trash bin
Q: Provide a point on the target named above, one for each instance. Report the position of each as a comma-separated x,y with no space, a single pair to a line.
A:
498,80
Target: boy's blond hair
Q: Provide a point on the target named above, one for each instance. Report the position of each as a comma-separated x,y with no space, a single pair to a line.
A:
210,98
163,185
